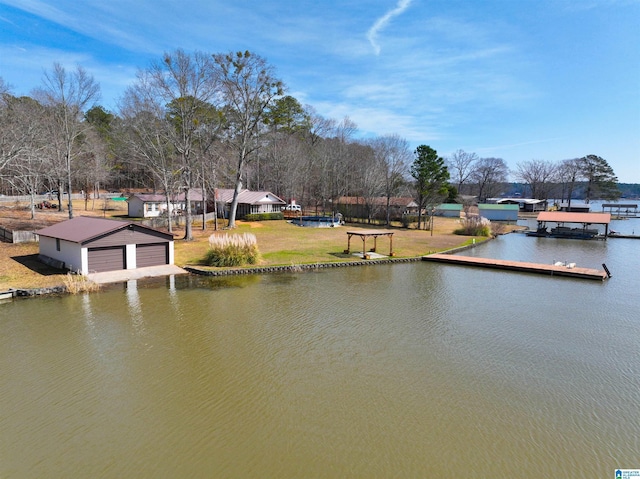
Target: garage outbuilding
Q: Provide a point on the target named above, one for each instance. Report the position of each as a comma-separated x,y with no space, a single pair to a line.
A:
89,245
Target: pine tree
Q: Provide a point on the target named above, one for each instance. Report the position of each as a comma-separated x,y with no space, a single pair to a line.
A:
601,180
432,176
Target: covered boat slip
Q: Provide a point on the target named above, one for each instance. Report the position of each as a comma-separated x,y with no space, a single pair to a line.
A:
364,234
621,210
560,218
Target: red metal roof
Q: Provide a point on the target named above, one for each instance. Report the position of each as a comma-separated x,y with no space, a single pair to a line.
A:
85,228
566,217
147,198
195,194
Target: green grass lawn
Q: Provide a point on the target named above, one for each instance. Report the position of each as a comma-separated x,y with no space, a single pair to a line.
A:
281,243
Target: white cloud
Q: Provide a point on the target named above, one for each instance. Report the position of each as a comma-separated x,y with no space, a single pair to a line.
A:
378,121
382,22
41,9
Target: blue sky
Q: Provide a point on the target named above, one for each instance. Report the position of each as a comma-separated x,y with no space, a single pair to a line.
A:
515,79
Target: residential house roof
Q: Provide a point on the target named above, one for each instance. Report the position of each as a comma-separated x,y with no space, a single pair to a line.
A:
195,194
85,228
148,198
249,197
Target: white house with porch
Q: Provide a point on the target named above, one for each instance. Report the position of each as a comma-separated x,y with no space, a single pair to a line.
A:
249,202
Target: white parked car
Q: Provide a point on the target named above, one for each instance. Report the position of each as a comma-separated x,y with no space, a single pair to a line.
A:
296,208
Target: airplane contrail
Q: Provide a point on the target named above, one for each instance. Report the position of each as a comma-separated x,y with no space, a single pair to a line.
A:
382,22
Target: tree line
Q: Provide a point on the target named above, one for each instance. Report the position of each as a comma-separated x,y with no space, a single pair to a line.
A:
207,121
590,177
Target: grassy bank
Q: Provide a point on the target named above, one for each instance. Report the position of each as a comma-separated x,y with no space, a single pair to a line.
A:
279,243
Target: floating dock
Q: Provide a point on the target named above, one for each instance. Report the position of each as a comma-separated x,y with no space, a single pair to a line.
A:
548,269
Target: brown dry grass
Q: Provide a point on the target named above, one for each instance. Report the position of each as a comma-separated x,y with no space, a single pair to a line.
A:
279,242
20,268
19,265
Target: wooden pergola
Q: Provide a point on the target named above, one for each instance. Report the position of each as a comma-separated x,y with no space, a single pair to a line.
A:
364,234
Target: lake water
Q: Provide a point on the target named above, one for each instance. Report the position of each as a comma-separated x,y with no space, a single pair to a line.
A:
406,370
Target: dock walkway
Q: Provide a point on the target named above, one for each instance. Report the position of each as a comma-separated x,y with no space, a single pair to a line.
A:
549,269
618,235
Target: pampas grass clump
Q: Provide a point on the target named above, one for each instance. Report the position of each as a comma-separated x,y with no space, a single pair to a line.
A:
474,226
232,250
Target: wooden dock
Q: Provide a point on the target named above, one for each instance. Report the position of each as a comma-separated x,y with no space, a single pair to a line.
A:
623,236
548,269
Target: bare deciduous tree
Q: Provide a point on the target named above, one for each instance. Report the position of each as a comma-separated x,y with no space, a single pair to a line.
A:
281,163
177,91
489,175
460,166
248,87
8,144
342,166
538,175
67,95
393,155
569,172
370,179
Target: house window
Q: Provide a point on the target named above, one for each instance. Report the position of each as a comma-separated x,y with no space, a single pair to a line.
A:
57,244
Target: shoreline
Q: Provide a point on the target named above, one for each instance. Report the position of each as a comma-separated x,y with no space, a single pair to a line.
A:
311,266
286,250
61,289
